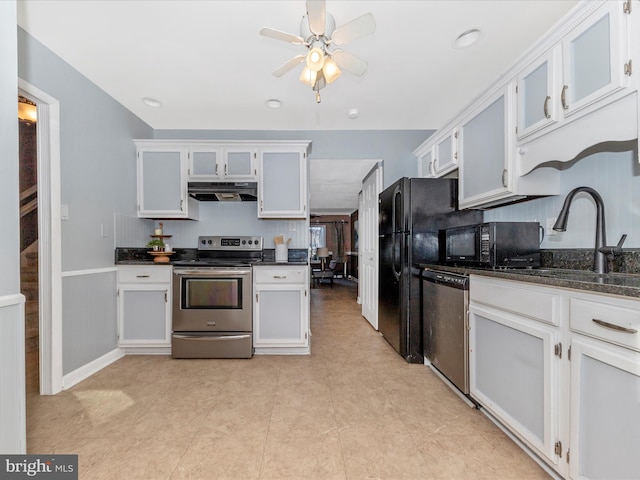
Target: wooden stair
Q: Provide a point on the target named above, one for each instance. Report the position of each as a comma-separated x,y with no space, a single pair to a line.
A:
29,288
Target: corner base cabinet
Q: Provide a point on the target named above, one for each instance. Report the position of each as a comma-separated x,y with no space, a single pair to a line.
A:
560,369
281,310
144,309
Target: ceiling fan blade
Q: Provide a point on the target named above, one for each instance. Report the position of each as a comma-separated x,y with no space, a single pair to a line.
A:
349,62
356,28
316,14
285,67
279,35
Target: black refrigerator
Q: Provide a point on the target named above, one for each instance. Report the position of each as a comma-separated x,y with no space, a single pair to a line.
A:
412,212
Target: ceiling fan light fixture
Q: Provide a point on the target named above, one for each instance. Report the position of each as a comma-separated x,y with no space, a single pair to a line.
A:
315,58
330,70
308,76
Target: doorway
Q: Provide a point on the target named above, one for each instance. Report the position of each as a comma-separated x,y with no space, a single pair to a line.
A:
48,248
29,283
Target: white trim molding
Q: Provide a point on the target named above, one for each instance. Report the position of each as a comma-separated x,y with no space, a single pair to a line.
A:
85,371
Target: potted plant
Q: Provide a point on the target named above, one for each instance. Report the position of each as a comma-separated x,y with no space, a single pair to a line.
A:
156,244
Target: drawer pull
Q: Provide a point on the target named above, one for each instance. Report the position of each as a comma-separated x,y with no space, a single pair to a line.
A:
142,276
617,328
279,276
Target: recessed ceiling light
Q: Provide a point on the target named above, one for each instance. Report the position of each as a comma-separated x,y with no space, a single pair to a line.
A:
466,39
274,103
152,102
353,113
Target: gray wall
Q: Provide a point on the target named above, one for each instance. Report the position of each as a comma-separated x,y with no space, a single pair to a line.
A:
98,180
98,172
9,206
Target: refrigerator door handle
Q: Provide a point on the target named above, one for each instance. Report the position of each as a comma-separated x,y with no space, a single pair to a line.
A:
397,256
397,192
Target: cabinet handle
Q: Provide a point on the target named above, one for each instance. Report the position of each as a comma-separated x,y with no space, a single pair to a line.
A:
225,169
142,276
546,107
166,292
504,178
431,168
182,205
279,276
217,169
612,326
563,97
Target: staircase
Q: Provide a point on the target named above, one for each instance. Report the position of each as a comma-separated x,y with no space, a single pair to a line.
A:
29,288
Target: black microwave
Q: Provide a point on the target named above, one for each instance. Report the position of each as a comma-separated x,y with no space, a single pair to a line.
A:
493,244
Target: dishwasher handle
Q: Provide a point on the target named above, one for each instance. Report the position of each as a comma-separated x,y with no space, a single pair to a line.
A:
453,280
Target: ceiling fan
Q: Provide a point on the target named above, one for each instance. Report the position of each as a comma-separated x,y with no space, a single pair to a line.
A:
318,33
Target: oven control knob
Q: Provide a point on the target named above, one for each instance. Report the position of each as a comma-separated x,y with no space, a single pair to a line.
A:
209,242
244,242
204,242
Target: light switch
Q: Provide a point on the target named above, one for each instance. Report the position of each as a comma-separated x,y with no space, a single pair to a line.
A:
64,212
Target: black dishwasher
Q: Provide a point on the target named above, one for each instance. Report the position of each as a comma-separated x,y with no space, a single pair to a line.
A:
445,299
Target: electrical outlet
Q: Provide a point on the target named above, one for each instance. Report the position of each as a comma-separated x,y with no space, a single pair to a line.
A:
548,229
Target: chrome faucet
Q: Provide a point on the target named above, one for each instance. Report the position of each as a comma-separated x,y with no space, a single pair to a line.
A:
601,251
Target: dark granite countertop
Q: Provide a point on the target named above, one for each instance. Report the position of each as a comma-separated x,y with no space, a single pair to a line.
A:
290,262
624,284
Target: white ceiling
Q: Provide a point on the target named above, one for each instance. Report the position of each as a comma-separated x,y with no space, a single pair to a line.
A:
207,64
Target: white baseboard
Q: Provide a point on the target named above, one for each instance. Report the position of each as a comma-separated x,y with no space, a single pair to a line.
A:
84,372
146,350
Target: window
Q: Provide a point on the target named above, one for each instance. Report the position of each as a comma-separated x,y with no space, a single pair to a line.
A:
318,238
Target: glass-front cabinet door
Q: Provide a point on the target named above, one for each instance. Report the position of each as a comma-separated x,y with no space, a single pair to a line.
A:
282,184
240,163
205,162
485,151
538,95
161,182
594,56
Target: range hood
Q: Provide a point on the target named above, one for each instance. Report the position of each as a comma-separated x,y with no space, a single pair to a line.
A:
224,191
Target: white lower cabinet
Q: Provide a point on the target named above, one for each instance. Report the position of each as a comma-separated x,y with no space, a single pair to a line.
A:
514,369
605,388
605,411
281,310
144,309
560,369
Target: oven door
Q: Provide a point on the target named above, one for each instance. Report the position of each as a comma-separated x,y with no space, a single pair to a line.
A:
212,299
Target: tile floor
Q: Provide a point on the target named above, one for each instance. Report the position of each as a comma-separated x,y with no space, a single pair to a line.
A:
351,410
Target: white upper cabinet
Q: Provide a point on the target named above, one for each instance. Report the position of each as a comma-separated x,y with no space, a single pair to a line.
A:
215,162
594,57
162,185
438,156
283,182
485,149
537,85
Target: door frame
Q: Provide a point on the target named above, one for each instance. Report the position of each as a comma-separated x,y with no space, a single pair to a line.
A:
49,237
378,171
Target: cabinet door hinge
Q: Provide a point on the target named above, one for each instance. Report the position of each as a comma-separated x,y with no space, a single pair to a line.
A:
455,135
557,350
557,449
628,68
626,6
568,454
516,88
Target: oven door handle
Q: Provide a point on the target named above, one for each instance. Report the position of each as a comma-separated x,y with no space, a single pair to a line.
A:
209,338
211,272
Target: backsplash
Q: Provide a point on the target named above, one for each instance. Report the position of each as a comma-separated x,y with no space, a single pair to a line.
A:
582,259
615,176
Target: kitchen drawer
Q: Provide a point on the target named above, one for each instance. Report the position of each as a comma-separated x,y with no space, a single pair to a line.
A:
525,299
615,323
144,274
279,275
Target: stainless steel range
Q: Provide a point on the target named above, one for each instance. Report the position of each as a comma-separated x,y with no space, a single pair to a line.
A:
212,299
